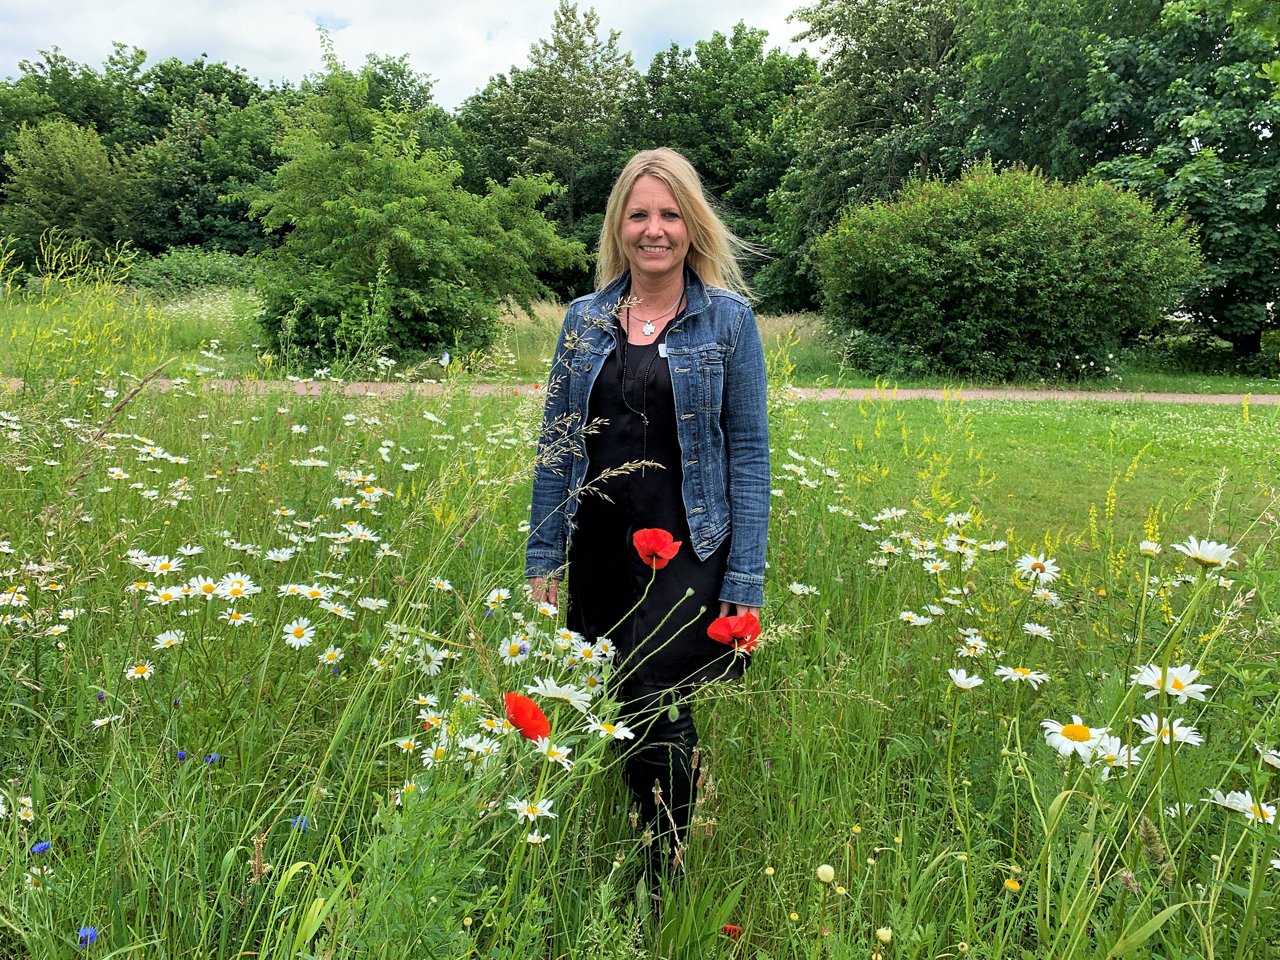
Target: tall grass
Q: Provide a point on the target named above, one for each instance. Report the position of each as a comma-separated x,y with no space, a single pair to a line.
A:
352,797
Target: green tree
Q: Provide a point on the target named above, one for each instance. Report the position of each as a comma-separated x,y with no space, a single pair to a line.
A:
65,179
558,116
717,103
1001,275
1024,72
871,122
1194,125
381,246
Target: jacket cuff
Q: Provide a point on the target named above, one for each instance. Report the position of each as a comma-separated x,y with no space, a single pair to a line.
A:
742,588
543,565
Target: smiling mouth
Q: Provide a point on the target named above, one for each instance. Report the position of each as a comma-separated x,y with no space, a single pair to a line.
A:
654,249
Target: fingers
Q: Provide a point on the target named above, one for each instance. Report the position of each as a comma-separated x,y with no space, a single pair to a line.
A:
724,608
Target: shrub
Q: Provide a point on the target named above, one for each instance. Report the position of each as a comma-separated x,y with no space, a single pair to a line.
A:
1001,276
186,268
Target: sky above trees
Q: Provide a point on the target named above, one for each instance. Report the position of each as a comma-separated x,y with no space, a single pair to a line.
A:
461,45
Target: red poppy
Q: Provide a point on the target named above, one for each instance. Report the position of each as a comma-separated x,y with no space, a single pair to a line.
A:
527,717
732,931
656,547
742,633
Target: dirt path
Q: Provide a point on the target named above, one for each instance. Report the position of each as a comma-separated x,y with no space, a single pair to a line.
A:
313,388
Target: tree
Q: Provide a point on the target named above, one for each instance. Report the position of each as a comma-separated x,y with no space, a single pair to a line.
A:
558,116
717,104
871,122
1024,70
381,246
1001,275
1194,124
63,178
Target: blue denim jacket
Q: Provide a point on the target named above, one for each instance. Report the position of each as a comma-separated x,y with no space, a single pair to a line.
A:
718,378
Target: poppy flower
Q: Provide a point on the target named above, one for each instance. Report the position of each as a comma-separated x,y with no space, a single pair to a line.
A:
732,931
742,632
656,547
527,717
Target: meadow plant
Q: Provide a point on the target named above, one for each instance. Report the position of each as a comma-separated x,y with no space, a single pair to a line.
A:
272,685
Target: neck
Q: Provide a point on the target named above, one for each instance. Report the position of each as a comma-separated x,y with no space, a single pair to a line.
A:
657,296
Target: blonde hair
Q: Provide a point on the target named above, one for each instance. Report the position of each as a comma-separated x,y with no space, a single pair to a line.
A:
712,245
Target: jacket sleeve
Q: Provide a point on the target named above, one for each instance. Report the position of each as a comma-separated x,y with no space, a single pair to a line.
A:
746,412
545,552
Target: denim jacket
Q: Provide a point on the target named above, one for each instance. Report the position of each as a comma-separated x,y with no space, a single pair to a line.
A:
718,380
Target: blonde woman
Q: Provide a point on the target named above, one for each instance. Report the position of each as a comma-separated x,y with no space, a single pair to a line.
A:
656,421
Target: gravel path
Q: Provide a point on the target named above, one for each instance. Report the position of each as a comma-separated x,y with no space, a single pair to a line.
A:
314,388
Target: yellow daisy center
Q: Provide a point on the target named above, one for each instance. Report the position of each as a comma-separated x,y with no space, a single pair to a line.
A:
299,632
1177,684
1024,672
1076,731
140,671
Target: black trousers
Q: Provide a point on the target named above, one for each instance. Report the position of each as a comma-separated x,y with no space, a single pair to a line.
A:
657,766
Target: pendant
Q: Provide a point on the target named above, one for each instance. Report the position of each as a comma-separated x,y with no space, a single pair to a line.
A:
648,329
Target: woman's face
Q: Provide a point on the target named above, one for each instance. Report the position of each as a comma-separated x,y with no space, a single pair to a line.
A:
654,238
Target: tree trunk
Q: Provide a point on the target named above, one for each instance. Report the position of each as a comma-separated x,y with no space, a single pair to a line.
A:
1247,344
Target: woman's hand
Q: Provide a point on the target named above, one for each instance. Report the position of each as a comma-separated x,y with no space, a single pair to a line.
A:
543,590
734,609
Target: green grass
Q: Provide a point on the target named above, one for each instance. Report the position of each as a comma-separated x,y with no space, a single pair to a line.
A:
847,744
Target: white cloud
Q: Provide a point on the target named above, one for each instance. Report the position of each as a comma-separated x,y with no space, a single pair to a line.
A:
461,44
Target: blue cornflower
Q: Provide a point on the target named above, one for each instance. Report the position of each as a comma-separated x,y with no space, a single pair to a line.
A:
300,822
213,758
41,846
101,696
182,755
87,935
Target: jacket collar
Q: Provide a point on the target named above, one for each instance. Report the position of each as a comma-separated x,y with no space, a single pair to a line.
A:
695,292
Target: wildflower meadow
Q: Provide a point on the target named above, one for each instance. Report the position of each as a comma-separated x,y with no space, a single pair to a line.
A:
272,686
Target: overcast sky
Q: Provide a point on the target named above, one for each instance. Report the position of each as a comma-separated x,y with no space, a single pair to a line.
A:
460,43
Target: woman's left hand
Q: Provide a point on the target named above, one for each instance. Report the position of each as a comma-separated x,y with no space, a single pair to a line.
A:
737,609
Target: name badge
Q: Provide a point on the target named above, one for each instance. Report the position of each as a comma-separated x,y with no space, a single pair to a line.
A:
662,349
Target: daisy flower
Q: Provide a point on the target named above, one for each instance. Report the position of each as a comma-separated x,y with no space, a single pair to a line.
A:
973,647
407,745
1074,737
1149,548
437,753
1037,630
141,671
1178,682
168,640
444,586
605,729
1172,731
1112,754
235,618
802,589
1022,675
530,810
299,633
515,650
100,722
497,598
554,752
936,566
1242,802
331,656
547,688
1270,757
963,680
1207,553
1037,568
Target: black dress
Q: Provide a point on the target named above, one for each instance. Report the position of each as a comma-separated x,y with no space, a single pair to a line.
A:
664,641
663,647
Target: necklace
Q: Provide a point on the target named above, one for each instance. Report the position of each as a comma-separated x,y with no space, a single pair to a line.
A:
643,412
650,325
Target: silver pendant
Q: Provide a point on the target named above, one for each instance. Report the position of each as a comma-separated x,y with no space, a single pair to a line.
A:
648,329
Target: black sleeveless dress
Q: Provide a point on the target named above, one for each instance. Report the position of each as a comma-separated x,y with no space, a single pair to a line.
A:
663,641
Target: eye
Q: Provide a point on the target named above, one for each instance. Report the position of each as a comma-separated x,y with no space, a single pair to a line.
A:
671,215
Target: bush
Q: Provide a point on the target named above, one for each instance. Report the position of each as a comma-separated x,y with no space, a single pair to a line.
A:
186,268
1001,276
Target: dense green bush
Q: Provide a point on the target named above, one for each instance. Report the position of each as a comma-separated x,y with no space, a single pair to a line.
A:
185,268
1000,276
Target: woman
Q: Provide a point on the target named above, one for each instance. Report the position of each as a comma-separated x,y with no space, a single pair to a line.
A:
656,418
